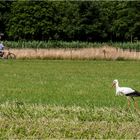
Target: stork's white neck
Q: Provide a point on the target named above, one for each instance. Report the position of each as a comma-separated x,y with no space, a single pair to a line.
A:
117,85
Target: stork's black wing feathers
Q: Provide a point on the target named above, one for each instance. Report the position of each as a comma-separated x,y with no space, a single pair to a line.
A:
134,94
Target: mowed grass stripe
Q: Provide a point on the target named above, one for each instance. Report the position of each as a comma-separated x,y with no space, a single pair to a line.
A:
67,82
26,121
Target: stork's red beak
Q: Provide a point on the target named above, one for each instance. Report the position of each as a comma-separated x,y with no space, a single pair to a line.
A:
113,85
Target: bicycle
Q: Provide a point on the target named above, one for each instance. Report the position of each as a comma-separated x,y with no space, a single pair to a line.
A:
7,55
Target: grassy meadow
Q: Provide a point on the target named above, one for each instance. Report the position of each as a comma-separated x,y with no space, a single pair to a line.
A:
67,99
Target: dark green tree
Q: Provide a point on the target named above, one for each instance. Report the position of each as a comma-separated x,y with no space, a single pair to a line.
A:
4,14
31,20
127,23
70,20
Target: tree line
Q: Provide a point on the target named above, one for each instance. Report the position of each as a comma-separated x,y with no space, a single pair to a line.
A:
99,21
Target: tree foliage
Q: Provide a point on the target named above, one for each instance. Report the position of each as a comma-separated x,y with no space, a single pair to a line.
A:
70,20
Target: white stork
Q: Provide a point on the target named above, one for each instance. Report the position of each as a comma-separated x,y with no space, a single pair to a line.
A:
127,91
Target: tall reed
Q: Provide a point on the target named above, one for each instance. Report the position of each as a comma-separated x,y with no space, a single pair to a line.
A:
108,53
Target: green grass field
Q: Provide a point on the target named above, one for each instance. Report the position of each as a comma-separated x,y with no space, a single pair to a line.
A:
67,99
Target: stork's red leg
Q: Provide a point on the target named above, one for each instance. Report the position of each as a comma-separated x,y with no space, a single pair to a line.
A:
128,102
135,103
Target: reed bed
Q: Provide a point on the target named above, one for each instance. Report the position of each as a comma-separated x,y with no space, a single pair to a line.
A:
105,52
